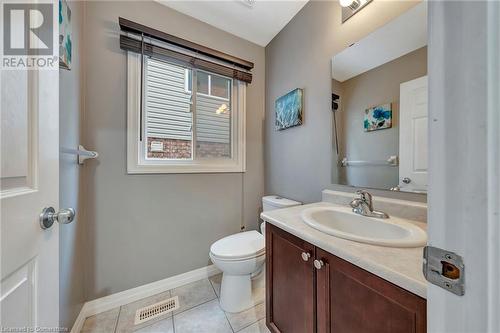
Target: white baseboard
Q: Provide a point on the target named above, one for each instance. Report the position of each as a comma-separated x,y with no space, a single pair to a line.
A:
131,295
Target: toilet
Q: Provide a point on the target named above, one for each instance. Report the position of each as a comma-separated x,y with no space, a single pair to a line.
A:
240,257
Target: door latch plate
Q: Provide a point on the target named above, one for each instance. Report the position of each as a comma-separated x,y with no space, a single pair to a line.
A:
445,269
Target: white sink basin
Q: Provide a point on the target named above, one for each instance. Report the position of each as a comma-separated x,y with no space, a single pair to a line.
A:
342,222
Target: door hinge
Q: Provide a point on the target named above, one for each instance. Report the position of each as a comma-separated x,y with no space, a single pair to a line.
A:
444,269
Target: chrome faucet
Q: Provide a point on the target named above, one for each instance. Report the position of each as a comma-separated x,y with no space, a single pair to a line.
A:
364,205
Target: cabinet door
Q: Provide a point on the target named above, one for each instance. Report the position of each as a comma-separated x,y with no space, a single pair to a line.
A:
290,283
351,299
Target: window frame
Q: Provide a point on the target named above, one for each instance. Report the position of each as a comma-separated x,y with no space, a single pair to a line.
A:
209,84
187,88
137,163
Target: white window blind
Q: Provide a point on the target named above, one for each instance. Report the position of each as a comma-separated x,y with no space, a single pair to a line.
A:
167,104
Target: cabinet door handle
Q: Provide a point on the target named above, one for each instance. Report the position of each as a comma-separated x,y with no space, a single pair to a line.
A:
306,256
318,264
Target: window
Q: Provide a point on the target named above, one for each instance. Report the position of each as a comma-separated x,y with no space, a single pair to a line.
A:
208,84
186,127
219,87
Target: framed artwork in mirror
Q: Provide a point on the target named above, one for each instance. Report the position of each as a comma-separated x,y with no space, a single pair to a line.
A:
378,117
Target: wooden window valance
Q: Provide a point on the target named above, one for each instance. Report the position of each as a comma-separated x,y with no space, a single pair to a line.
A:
157,44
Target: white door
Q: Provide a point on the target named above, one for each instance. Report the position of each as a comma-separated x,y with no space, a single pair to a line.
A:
464,160
29,156
413,134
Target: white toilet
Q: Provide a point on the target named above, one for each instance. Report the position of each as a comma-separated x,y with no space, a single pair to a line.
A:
241,255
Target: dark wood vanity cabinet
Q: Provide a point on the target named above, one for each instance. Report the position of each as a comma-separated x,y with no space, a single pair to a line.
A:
290,283
350,299
339,297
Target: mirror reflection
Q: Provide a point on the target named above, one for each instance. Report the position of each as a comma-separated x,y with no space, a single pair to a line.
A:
379,101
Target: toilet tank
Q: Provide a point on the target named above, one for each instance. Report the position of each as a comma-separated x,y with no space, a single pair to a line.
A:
272,202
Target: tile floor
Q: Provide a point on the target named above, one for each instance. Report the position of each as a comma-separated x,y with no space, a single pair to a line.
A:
199,312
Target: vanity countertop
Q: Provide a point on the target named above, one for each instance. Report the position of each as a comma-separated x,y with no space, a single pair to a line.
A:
401,266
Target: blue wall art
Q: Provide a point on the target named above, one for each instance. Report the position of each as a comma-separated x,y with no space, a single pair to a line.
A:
65,41
289,109
378,117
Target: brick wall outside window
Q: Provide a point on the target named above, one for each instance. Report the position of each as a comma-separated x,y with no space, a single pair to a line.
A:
213,149
181,149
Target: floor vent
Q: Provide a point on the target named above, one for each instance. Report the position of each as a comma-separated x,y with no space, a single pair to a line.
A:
153,311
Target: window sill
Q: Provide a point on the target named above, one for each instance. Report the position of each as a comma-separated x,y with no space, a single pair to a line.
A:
185,168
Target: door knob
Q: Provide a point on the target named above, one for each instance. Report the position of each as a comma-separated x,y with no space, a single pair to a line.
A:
318,264
306,256
406,180
49,216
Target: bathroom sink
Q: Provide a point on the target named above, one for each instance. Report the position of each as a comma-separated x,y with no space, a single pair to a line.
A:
343,223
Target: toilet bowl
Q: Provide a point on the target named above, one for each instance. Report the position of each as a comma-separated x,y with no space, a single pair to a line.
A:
238,256
241,257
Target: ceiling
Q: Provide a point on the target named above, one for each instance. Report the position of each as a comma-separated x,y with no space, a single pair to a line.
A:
257,23
404,34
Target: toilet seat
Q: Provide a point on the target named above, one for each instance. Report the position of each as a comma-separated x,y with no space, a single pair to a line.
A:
240,246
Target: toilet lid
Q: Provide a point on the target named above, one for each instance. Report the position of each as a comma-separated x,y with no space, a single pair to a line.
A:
242,245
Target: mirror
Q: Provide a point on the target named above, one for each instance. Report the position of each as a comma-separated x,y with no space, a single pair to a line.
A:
379,102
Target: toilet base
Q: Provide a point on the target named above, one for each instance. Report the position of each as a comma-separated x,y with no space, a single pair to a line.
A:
236,293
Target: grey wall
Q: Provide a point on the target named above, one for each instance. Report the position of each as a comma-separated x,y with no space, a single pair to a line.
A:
143,228
71,188
374,87
298,160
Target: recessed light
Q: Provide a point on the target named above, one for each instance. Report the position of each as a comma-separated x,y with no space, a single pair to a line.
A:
351,7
